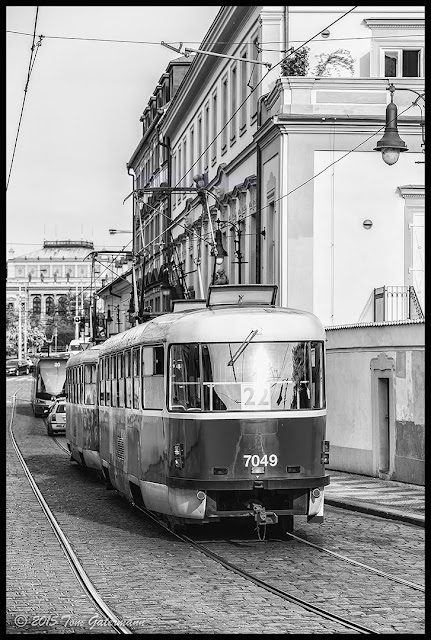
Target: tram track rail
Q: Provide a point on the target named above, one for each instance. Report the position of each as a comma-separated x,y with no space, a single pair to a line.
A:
78,570
318,610
270,588
261,583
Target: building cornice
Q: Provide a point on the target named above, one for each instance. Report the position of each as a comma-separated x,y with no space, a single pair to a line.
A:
412,191
395,23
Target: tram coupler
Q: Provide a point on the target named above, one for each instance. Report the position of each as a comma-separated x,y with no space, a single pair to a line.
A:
262,516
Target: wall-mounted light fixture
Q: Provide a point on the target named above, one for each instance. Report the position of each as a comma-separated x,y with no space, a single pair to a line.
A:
367,224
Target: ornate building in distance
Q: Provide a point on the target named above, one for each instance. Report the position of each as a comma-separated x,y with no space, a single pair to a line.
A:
61,270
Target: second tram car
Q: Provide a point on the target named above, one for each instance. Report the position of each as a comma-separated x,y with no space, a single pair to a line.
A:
212,413
82,420
49,377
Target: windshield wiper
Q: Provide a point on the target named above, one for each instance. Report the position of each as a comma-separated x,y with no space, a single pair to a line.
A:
244,345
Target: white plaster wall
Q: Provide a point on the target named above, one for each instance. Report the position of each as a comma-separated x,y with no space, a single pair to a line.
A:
348,393
359,187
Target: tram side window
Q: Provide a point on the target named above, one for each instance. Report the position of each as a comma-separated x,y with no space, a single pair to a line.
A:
113,376
317,376
120,380
184,373
136,379
152,377
128,379
101,383
107,382
89,384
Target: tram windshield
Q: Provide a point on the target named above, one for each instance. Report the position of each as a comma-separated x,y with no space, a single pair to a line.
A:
51,378
266,376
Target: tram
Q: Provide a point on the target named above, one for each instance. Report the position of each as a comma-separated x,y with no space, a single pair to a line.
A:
49,377
210,413
82,423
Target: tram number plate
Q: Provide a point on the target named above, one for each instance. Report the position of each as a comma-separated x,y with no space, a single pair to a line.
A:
257,461
255,397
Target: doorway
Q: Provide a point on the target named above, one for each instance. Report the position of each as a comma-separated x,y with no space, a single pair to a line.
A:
383,425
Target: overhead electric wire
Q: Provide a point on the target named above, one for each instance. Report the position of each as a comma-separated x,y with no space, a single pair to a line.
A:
211,42
30,69
254,89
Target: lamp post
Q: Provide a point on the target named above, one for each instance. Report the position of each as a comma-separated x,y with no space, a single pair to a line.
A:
391,144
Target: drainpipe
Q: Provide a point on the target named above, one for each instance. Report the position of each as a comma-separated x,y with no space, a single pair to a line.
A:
258,195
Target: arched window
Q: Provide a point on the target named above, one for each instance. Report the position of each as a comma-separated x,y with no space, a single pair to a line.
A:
37,305
49,306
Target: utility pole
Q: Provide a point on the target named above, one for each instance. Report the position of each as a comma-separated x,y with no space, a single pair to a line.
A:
25,321
19,322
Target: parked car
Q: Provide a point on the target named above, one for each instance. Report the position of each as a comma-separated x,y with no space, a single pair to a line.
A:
15,367
56,419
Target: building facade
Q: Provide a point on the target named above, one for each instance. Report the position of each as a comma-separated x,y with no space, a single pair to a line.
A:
268,149
61,273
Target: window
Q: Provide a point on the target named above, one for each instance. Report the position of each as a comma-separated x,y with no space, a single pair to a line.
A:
254,79
120,380
37,305
207,137
279,376
136,379
152,377
179,178
107,382
49,306
214,131
224,115
102,382
199,149
90,384
113,377
244,102
192,157
233,99
184,176
402,63
128,378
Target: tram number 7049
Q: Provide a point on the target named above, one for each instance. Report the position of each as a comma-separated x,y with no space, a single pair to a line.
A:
257,461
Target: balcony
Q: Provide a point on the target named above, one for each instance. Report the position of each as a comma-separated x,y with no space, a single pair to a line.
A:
392,303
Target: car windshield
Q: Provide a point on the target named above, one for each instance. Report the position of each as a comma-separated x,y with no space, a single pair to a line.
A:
11,362
61,408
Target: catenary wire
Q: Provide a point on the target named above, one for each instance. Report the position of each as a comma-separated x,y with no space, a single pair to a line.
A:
254,89
211,42
33,54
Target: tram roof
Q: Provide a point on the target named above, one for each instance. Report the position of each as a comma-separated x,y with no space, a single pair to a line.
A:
222,324
84,357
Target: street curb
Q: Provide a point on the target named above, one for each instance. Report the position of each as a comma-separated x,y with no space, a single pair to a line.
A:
377,511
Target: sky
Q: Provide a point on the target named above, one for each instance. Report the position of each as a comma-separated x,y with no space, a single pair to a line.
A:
80,123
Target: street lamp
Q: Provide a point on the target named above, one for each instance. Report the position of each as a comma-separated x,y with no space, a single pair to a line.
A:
391,144
219,252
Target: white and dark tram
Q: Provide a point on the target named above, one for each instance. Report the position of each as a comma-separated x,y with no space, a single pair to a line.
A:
209,412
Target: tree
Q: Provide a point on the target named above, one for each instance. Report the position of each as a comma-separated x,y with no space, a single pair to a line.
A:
35,332
296,64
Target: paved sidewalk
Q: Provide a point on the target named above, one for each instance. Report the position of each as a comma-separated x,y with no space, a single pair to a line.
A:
385,498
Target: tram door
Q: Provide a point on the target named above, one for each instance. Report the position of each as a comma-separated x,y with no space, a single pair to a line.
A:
383,416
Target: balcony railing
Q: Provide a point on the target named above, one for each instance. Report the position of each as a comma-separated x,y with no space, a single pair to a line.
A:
396,303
